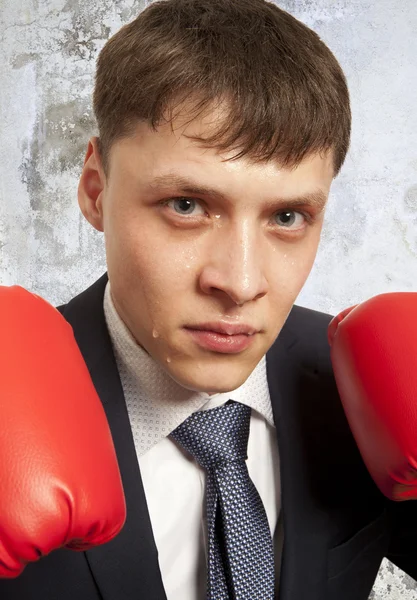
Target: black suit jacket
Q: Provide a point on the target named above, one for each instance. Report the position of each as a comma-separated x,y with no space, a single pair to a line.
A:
337,525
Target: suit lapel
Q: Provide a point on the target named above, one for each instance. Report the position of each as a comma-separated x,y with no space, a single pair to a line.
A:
304,556
327,493
127,567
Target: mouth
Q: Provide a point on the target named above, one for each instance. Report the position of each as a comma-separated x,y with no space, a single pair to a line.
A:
224,338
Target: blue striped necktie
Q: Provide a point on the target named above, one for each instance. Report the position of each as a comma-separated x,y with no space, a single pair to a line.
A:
240,551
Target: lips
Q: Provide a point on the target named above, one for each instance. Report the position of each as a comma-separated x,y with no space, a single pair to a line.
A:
225,328
223,338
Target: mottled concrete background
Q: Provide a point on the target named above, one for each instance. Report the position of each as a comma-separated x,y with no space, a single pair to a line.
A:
47,54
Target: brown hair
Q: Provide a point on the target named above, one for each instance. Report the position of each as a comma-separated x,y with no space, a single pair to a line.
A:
285,93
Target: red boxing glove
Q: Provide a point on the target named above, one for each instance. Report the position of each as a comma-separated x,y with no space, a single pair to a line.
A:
60,483
374,356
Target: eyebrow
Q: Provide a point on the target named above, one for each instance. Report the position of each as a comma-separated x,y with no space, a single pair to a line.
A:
184,185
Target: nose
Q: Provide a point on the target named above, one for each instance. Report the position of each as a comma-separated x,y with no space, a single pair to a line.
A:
235,264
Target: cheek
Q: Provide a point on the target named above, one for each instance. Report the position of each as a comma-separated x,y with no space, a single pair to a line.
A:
291,270
160,263
155,279
166,267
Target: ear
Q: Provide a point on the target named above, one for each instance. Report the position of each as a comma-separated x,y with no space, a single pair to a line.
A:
91,186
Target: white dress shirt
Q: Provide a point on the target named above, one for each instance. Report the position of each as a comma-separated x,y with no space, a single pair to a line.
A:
174,483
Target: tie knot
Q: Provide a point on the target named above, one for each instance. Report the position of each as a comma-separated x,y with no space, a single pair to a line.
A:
217,436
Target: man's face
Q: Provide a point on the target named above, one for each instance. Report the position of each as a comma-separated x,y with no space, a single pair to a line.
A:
205,257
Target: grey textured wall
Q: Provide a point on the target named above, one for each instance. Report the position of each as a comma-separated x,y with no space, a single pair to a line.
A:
369,244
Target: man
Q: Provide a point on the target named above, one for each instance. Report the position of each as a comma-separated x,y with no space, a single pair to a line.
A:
222,124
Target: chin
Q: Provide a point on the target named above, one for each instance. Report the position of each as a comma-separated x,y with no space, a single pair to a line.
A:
210,379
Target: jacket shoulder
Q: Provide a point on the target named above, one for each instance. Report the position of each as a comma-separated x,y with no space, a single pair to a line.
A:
305,335
309,320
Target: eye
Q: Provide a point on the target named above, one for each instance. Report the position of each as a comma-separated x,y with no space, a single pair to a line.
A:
185,206
287,218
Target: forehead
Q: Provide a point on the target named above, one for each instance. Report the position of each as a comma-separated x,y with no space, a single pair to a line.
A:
171,159
176,149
